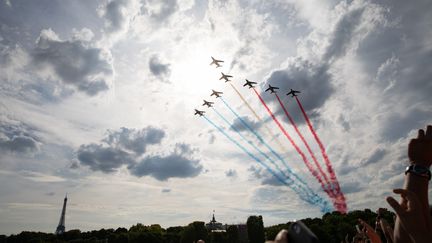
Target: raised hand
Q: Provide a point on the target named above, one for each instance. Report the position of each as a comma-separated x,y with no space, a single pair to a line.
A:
282,237
420,148
370,232
387,229
412,216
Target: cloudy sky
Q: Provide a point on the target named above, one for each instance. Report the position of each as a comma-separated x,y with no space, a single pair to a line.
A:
97,101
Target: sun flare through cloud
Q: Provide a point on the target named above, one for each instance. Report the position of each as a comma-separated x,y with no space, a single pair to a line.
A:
97,100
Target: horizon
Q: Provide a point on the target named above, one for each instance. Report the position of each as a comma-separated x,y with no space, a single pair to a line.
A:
98,100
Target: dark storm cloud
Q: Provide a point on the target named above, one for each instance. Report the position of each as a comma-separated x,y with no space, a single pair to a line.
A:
134,140
126,147
158,68
19,144
398,125
265,177
74,165
177,164
159,10
101,158
343,33
312,80
17,138
271,180
352,187
238,125
231,173
118,148
74,62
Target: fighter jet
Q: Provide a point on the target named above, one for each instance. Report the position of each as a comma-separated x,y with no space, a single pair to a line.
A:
249,83
200,113
272,89
216,93
216,62
293,92
226,77
208,103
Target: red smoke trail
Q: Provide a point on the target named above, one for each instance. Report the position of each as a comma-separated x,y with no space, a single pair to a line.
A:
306,161
330,170
307,145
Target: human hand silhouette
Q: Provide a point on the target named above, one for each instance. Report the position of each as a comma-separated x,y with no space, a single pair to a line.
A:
282,237
370,232
420,148
411,216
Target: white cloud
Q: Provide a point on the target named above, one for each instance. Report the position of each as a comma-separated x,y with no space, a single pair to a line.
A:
361,65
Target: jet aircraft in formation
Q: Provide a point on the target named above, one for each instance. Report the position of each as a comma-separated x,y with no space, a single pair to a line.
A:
200,113
226,77
272,89
249,83
216,93
216,62
293,92
208,103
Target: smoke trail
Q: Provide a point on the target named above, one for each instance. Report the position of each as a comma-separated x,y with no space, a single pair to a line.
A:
255,147
305,160
262,141
259,118
326,159
314,201
306,144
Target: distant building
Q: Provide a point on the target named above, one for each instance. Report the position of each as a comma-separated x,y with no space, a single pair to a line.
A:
61,226
214,226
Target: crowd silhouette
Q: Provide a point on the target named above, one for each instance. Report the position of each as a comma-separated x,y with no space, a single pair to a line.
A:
413,221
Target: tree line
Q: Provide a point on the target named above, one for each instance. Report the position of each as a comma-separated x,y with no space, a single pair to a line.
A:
332,227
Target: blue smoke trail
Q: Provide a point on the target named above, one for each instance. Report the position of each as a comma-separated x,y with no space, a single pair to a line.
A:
262,141
291,181
253,145
316,200
312,193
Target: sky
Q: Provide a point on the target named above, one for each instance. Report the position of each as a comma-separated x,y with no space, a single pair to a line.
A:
98,97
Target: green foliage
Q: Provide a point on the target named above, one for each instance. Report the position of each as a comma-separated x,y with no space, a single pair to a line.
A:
332,227
255,227
272,231
193,232
232,234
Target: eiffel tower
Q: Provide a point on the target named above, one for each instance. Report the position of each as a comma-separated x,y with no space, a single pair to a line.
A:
61,226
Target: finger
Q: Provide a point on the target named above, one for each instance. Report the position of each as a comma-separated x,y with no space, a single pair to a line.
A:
390,233
366,225
421,133
403,193
404,203
282,237
395,205
409,195
429,131
400,191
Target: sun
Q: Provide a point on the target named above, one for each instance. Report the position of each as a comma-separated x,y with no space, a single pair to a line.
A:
192,74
